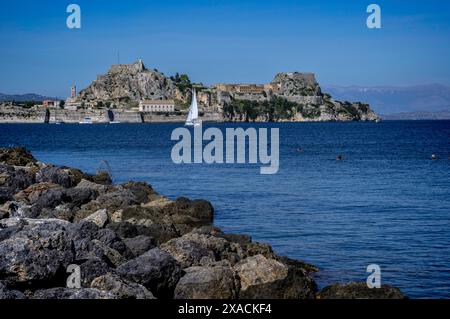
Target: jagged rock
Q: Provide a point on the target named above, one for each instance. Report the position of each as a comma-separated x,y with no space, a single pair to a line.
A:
12,181
121,288
91,269
66,293
35,253
140,244
142,192
99,218
86,184
359,290
156,270
57,175
130,82
159,225
17,156
31,194
91,242
54,197
192,249
102,178
128,230
187,215
6,294
207,283
111,201
263,278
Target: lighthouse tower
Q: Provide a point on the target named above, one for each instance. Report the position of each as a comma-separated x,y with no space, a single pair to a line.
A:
73,91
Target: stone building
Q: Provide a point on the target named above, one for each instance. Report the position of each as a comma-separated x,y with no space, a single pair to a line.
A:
157,106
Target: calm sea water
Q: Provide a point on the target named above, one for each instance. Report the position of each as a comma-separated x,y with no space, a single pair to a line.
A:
387,203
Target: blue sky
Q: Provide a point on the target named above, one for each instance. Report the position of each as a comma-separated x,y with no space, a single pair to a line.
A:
224,41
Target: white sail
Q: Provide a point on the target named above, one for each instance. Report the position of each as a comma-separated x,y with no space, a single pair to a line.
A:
193,110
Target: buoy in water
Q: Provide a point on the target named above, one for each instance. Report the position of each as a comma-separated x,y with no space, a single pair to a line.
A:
434,157
339,158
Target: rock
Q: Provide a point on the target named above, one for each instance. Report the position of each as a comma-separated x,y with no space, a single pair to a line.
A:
140,244
91,269
187,214
17,156
56,175
31,194
91,242
128,230
66,293
6,294
119,198
133,81
13,180
156,270
151,220
86,184
102,178
124,229
142,192
99,218
263,278
121,288
359,290
207,283
192,249
35,254
52,201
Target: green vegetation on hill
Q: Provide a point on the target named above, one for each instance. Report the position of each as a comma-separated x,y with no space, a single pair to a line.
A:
275,109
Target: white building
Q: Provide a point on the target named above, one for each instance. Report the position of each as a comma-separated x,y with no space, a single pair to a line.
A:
157,106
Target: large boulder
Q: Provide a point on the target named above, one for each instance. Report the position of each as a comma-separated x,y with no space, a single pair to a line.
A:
121,288
99,218
17,156
142,192
12,181
196,249
91,269
217,282
264,278
91,242
156,270
187,214
36,253
58,175
359,290
140,244
152,219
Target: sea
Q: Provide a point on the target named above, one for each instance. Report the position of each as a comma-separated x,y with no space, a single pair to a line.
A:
386,203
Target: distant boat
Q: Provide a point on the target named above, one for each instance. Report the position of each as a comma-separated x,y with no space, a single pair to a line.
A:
377,121
114,122
192,118
87,120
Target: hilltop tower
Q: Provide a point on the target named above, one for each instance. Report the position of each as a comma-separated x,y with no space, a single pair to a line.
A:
73,91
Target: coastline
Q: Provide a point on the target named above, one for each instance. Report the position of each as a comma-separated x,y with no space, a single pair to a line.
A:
131,242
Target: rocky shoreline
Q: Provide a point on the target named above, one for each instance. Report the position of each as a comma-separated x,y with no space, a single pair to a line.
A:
130,242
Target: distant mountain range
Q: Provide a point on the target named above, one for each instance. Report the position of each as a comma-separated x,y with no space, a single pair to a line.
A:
24,97
412,102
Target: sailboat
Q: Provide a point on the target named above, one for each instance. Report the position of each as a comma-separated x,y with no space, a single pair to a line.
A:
192,119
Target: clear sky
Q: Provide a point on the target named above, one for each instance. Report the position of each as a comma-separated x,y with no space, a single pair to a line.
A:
224,41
